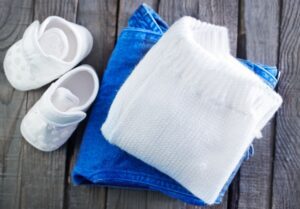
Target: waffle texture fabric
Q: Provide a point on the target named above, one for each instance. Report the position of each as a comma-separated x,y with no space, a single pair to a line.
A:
190,109
101,163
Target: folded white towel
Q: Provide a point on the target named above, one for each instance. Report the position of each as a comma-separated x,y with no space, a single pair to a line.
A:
190,109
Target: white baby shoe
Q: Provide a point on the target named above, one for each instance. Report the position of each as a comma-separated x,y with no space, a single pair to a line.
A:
46,51
55,116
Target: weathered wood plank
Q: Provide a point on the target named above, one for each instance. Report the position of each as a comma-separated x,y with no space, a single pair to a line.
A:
139,199
286,184
14,17
219,12
43,174
261,31
100,17
126,199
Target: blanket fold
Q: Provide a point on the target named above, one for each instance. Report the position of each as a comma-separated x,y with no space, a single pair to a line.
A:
191,112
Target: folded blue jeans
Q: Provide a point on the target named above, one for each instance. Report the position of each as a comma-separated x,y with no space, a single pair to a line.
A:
101,163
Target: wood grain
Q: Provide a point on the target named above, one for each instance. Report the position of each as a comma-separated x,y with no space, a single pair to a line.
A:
100,18
262,31
220,12
15,15
286,184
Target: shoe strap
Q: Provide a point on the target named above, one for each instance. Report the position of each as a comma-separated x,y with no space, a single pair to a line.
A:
40,63
56,117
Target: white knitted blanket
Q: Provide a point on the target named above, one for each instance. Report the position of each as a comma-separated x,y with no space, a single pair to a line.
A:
190,109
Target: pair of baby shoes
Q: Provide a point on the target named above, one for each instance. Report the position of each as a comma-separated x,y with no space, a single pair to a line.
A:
48,51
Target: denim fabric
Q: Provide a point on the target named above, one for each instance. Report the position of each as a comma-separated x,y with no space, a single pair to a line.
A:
104,164
269,74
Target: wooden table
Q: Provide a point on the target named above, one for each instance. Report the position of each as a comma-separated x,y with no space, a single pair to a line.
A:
265,31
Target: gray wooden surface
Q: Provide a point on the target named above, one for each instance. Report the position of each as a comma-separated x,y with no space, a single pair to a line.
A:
265,31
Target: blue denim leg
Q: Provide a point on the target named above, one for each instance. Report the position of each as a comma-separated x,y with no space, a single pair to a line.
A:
104,164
